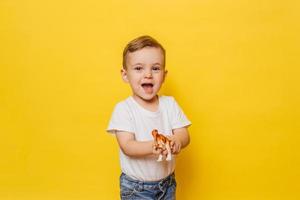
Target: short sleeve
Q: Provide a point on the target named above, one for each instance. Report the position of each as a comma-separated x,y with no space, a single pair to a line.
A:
178,119
120,119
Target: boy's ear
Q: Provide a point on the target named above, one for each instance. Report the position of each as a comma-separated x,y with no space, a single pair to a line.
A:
124,75
165,74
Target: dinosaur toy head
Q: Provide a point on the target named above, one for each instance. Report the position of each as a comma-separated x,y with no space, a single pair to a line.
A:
154,133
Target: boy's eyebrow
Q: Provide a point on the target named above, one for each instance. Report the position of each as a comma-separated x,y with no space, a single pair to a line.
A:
157,63
135,64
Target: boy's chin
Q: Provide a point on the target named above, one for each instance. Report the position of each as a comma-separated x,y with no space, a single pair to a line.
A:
148,97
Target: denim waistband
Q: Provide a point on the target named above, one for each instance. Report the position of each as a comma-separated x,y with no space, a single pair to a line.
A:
165,181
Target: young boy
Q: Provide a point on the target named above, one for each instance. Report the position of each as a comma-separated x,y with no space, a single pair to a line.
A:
134,119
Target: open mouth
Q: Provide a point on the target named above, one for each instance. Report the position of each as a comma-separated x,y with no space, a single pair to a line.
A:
148,87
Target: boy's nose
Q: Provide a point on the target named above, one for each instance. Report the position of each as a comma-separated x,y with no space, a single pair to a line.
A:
148,74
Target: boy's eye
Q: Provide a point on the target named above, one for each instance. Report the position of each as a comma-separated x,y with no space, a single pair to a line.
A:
156,68
138,68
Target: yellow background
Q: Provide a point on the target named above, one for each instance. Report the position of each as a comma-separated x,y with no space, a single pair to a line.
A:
233,68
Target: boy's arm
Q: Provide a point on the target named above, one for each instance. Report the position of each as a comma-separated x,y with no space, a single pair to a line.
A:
179,139
133,148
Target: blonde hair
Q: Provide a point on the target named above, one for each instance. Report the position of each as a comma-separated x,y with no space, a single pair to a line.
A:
140,43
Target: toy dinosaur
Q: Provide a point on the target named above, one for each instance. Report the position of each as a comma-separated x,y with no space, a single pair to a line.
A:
162,142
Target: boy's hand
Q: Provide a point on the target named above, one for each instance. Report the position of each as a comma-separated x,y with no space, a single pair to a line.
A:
155,149
175,144
159,150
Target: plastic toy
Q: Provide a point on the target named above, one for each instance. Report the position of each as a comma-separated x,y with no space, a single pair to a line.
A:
162,142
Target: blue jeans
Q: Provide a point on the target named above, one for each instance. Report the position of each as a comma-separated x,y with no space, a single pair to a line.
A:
153,190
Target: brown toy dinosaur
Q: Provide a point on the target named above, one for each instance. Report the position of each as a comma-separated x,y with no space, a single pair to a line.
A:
162,142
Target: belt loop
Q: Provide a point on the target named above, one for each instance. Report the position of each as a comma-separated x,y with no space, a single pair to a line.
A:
170,179
140,186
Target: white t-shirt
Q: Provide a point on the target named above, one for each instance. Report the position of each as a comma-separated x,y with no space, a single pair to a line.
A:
129,116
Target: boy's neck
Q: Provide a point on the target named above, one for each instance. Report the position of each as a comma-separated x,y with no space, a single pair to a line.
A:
151,105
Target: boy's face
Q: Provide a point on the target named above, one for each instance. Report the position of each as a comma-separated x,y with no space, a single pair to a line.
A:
145,72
